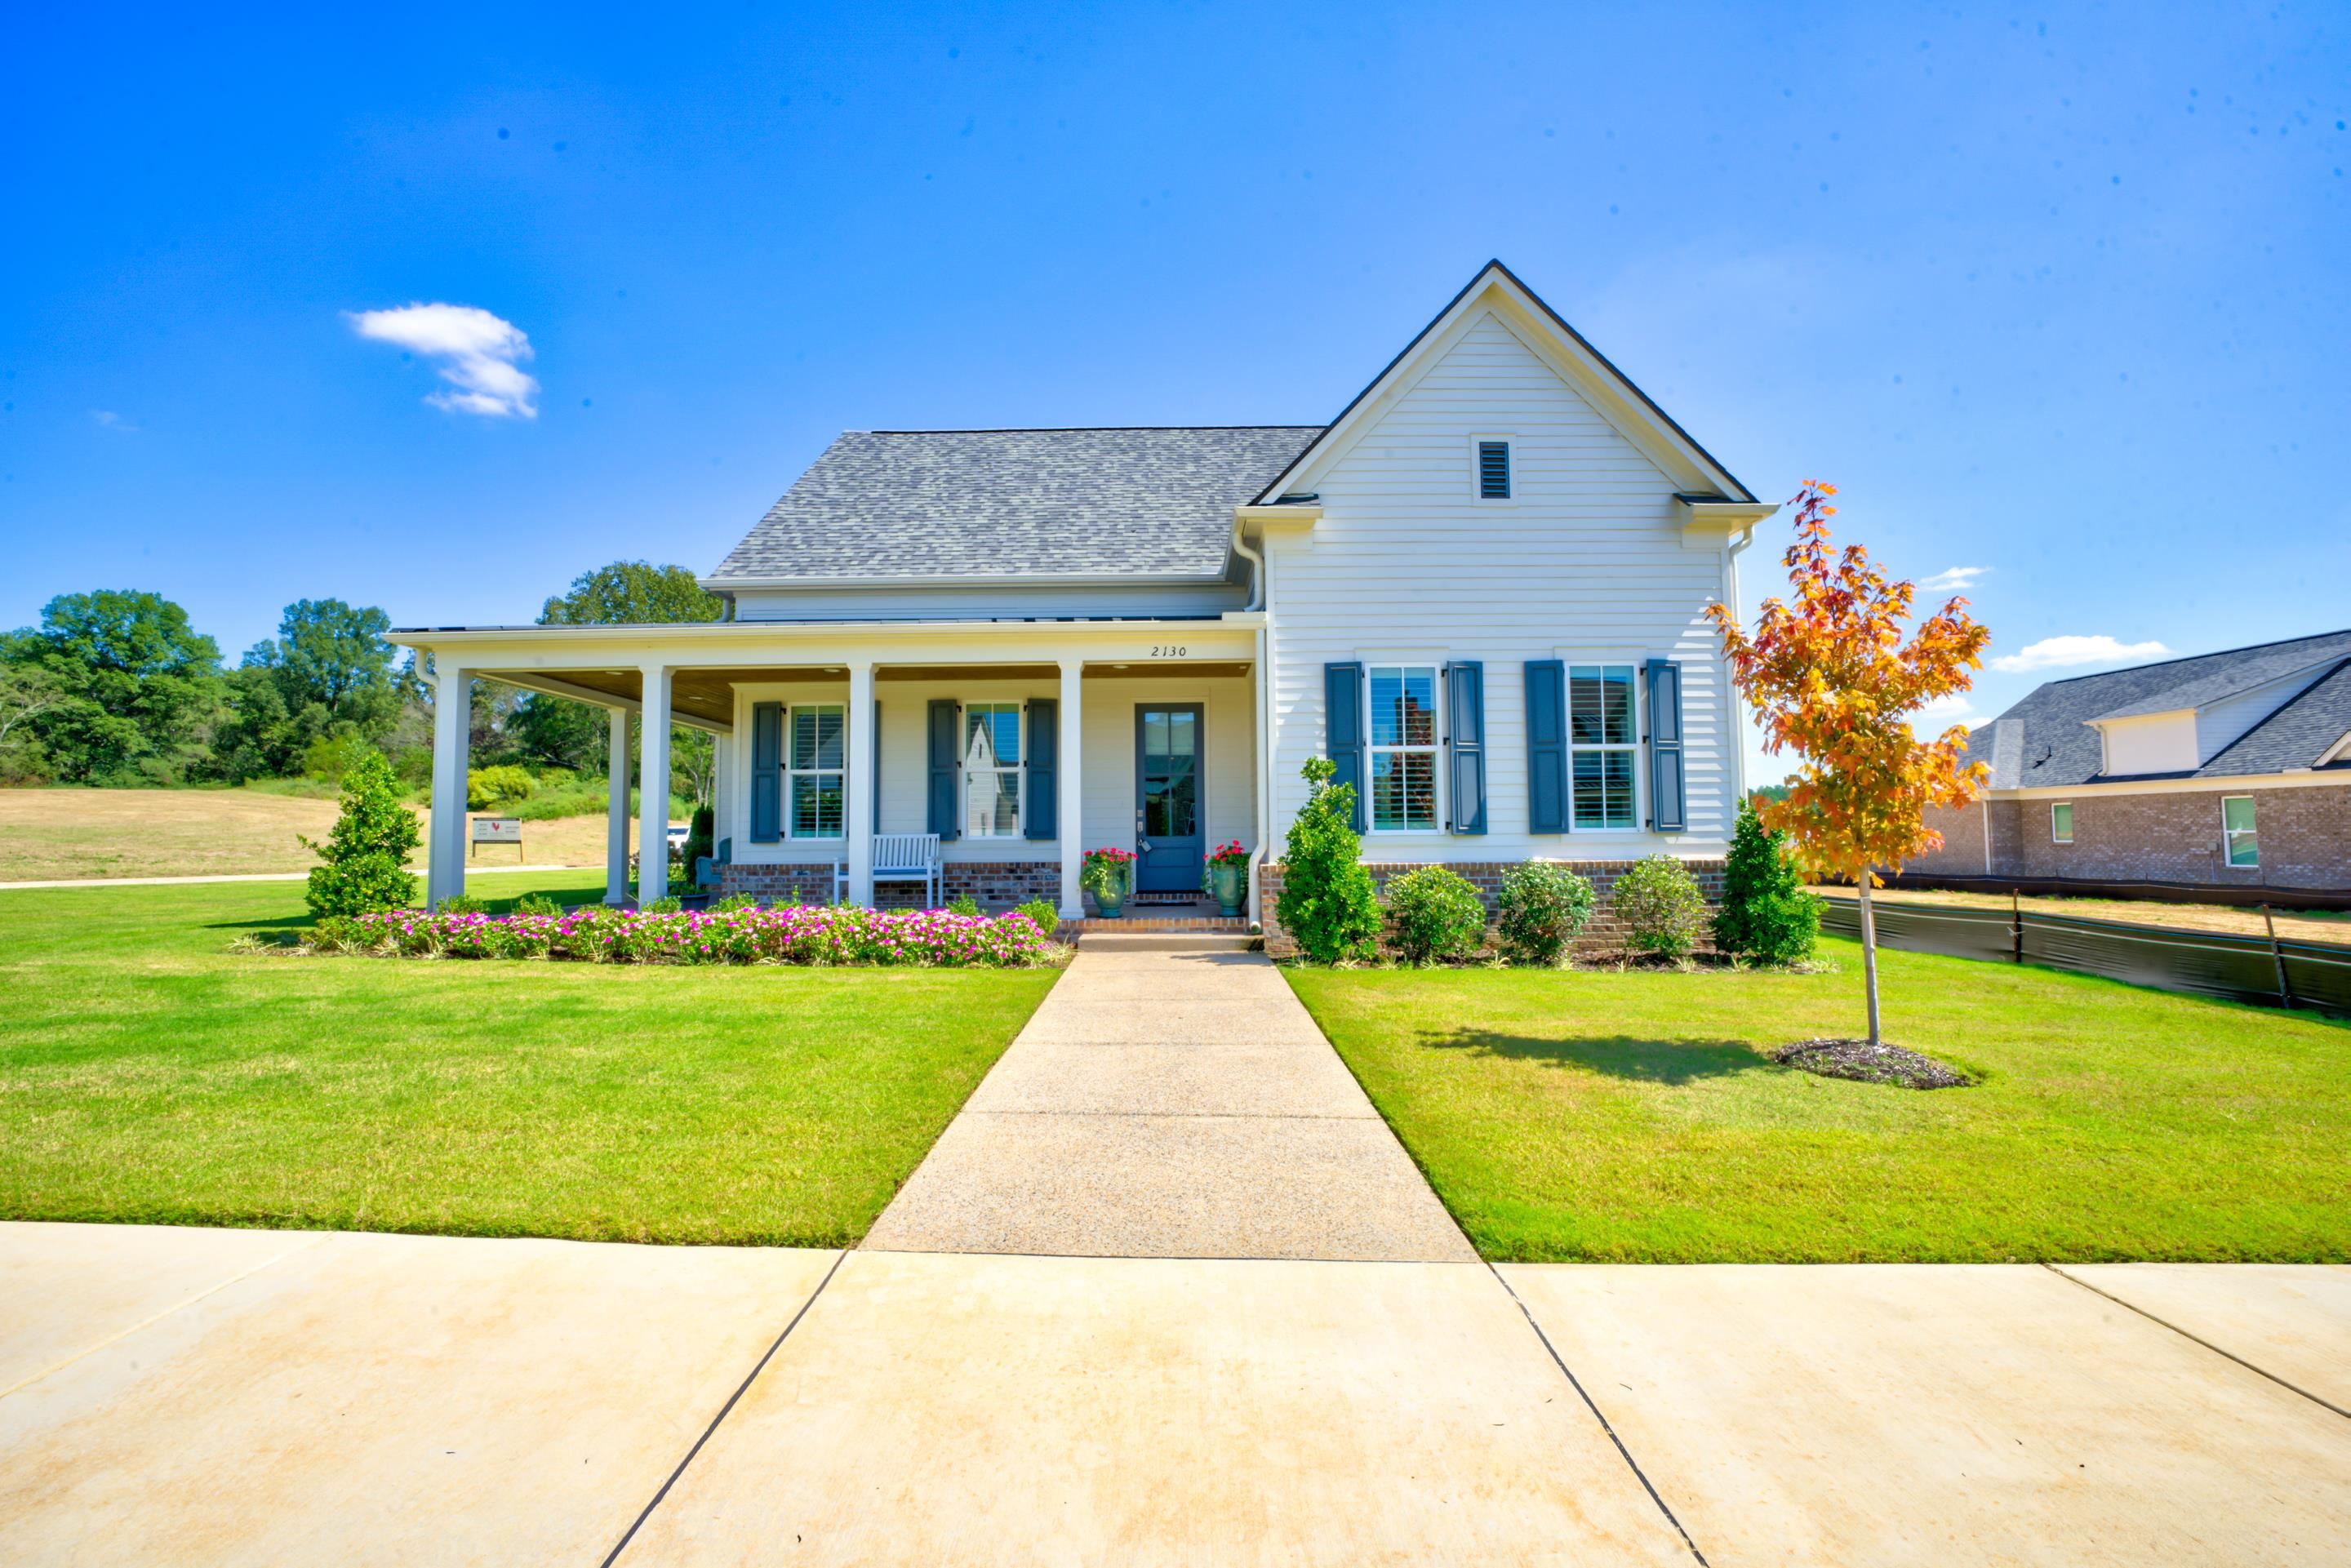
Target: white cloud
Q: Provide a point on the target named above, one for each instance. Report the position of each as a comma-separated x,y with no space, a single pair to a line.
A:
1952,579
107,419
1932,718
478,354
2066,653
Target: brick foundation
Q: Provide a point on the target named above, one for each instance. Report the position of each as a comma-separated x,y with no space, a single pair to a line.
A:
2167,836
1604,934
995,884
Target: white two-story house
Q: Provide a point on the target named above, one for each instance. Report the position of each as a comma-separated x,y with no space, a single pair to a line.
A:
1480,589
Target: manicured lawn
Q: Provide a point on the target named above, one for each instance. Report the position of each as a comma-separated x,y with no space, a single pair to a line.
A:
1634,1116
149,1074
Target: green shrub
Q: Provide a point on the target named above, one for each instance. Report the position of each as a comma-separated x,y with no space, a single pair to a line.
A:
1766,915
1043,914
338,933
963,904
734,901
700,839
488,786
1661,906
537,903
331,756
1542,908
669,905
1437,915
465,903
369,848
413,765
1327,904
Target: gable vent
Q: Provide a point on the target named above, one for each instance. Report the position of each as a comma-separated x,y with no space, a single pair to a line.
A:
1493,470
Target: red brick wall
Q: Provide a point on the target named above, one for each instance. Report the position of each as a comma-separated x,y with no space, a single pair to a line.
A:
2170,836
1604,934
995,884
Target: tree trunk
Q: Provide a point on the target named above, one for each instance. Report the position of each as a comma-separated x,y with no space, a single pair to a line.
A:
1869,954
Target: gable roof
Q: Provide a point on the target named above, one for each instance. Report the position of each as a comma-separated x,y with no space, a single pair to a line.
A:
2046,740
1612,393
1083,504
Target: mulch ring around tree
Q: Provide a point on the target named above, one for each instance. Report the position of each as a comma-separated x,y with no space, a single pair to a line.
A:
1867,1063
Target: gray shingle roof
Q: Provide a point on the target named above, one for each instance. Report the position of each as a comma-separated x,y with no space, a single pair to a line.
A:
2046,739
997,504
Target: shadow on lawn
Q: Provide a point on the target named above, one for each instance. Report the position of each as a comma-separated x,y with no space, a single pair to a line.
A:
1617,1056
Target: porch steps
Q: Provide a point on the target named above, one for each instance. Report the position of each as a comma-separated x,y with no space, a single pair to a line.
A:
1130,940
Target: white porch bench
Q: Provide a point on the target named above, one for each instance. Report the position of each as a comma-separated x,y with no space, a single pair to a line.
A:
909,857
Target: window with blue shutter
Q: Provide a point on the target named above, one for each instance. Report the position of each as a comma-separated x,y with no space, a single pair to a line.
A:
1343,727
767,772
1465,714
1669,806
1044,738
1546,746
939,798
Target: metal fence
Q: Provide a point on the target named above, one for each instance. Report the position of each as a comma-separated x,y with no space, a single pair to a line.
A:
2277,972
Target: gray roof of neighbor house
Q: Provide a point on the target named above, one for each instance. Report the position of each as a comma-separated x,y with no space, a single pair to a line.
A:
976,505
2046,740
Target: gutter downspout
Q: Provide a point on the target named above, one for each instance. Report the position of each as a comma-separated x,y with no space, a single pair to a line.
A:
1738,739
1259,600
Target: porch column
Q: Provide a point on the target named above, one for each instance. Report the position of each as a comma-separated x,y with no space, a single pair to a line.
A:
1070,812
857,812
652,789
453,738
616,812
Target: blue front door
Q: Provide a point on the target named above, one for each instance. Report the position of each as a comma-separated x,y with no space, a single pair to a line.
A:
1168,839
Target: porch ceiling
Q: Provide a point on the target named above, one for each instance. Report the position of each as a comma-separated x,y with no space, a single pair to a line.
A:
708,693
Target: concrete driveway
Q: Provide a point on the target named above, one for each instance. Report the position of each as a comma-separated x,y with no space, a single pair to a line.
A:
1167,1292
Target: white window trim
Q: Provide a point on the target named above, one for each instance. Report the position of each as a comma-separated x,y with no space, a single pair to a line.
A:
1477,488
791,709
2229,862
1417,659
1571,657
1020,707
2054,806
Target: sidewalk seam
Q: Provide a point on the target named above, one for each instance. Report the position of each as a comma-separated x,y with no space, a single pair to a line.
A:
158,1317
724,1411
1575,1382
2199,1339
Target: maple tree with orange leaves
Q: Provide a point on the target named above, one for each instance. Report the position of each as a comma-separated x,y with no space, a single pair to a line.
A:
1830,674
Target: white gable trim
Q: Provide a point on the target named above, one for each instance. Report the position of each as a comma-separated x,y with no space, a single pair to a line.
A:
1495,292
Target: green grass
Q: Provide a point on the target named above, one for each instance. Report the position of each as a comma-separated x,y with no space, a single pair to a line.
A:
1634,1117
149,1074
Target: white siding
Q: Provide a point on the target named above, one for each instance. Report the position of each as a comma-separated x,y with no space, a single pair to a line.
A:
1587,559
1106,770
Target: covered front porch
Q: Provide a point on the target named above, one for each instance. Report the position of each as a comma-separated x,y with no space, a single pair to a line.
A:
1017,747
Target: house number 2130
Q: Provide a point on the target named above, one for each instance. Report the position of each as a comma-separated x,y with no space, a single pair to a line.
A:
1169,651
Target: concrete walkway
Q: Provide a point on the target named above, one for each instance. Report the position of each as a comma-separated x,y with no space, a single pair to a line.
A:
201,1397
250,876
1170,1100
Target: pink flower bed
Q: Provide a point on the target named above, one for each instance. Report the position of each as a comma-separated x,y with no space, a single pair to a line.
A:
791,935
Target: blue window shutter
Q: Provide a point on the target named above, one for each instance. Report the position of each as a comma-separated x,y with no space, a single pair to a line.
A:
1546,746
767,772
1465,706
1042,737
877,765
941,797
1343,731
1668,804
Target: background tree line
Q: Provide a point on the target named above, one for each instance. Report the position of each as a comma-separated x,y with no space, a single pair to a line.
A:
118,688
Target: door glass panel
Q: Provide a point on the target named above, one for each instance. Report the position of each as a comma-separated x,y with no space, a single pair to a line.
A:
1170,775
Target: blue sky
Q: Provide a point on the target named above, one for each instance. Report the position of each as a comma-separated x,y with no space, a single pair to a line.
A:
2054,293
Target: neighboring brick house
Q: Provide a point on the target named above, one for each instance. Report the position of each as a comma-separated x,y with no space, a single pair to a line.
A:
2227,769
